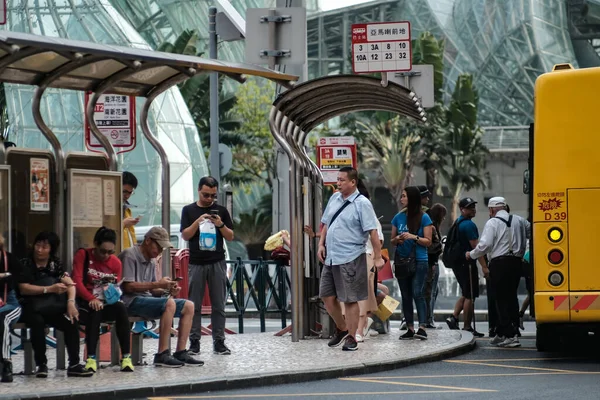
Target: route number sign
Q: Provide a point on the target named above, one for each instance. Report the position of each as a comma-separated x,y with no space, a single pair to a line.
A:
381,47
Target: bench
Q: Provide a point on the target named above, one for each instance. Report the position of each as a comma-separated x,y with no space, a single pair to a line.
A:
137,345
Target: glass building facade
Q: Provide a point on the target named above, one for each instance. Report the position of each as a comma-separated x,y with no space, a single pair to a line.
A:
98,21
505,44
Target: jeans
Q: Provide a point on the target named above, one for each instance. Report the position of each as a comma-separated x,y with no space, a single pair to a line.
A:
431,288
413,288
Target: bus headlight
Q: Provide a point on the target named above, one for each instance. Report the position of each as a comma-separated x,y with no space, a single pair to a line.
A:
556,278
555,235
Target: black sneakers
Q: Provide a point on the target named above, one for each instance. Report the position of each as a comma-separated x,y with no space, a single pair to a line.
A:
421,334
337,338
42,371
409,335
350,344
165,359
220,348
79,371
185,357
194,347
474,332
7,371
452,322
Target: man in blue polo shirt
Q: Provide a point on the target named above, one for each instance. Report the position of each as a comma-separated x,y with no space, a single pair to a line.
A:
348,222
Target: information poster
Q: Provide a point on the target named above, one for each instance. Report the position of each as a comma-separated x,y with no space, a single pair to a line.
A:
334,153
110,207
40,184
86,200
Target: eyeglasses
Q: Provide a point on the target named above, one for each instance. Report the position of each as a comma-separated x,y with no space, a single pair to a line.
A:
129,192
106,251
209,195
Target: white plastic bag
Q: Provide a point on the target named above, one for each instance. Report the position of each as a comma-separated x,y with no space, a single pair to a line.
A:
208,236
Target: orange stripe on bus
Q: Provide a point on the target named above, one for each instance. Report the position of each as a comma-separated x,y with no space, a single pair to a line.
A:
558,300
585,302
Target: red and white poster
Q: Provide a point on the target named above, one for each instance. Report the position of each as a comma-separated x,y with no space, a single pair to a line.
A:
334,153
40,184
115,118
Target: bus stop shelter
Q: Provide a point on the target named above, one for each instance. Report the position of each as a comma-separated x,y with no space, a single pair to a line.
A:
294,114
48,62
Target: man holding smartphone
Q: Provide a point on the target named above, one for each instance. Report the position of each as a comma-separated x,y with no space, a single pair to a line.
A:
207,266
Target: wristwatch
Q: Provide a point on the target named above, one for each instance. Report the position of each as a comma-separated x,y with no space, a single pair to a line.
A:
45,289
219,227
417,239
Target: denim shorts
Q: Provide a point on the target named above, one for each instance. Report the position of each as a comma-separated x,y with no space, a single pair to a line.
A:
153,307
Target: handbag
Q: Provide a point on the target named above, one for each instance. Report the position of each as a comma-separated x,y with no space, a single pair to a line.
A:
112,293
49,303
406,267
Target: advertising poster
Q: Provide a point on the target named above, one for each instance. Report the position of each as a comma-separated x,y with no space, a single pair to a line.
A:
40,184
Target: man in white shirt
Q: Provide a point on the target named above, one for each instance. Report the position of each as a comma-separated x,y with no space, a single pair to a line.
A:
503,240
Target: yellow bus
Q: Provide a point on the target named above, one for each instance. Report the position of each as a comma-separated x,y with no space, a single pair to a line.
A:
564,194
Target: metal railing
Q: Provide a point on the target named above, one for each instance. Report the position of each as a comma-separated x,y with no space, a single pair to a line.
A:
265,283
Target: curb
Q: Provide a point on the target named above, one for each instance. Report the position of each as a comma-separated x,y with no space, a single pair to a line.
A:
465,344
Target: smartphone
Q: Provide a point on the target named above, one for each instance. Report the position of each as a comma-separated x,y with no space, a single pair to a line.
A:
179,278
214,213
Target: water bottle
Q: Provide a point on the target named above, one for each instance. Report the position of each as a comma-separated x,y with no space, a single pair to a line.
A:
208,236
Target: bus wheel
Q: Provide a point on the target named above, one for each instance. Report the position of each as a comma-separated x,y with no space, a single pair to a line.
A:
546,338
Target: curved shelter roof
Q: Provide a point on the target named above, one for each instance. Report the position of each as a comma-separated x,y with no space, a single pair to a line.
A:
28,59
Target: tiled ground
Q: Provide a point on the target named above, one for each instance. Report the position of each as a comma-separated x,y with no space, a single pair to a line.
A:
253,356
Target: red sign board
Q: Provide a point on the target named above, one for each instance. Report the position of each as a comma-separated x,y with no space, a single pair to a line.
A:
114,115
2,12
381,47
334,153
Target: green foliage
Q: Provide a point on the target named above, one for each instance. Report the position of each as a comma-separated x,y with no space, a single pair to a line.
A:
253,155
253,227
427,50
467,156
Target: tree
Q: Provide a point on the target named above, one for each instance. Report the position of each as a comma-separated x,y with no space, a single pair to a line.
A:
253,155
432,155
467,154
196,94
391,146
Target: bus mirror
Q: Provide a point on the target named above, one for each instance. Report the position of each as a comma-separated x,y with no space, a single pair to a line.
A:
526,181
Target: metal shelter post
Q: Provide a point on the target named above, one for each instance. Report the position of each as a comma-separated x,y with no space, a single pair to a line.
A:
215,159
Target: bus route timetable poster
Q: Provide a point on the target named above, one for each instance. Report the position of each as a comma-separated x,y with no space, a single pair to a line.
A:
334,153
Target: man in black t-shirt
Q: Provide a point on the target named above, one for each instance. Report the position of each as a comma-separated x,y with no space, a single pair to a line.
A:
207,266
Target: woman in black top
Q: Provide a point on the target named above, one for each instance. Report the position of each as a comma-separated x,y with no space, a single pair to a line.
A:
10,311
49,299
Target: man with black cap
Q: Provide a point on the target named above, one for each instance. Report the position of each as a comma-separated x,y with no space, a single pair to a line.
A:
425,197
466,273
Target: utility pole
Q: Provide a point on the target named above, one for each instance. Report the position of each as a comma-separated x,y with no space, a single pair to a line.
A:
214,97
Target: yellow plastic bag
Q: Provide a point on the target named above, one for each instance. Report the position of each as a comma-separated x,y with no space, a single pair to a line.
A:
274,241
386,308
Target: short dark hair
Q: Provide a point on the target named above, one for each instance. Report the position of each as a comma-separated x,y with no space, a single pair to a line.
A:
104,234
208,181
352,173
52,239
129,179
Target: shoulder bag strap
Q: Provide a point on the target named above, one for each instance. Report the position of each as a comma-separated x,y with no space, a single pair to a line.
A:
346,204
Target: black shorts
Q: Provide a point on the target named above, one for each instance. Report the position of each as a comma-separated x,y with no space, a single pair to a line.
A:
462,277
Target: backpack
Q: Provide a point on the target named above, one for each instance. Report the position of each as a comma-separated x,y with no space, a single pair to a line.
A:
435,249
453,254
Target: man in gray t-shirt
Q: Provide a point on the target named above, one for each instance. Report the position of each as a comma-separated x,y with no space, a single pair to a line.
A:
148,298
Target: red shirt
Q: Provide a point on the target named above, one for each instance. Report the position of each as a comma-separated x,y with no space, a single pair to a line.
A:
97,270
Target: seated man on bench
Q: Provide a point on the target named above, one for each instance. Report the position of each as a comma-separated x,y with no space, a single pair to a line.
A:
151,299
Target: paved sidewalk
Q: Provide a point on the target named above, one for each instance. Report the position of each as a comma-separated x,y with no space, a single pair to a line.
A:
257,359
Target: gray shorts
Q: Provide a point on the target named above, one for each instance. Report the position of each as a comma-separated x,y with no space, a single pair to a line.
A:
348,282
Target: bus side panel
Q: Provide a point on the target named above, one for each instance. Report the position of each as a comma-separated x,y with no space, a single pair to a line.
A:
552,307
584,237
